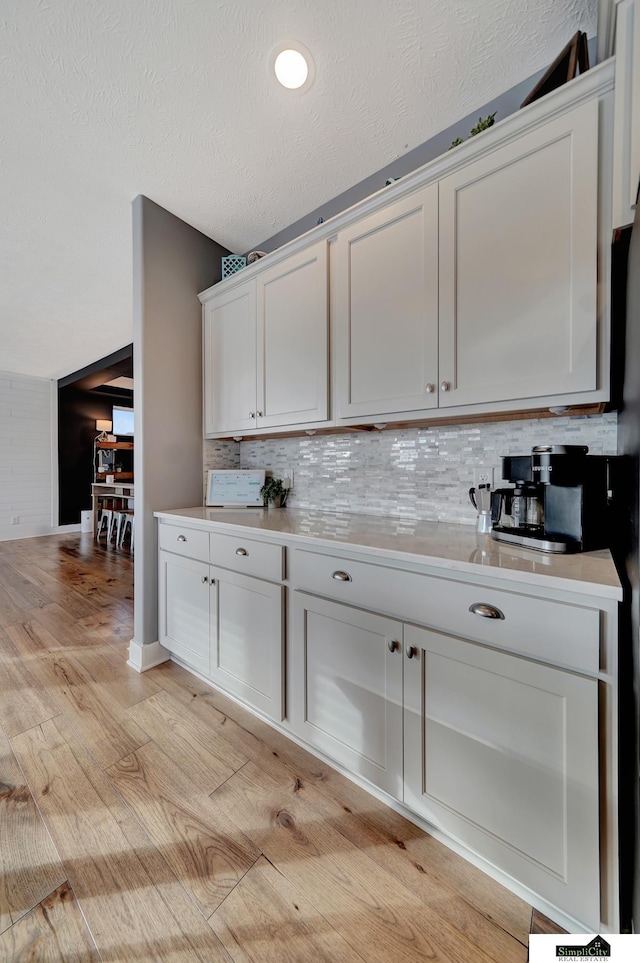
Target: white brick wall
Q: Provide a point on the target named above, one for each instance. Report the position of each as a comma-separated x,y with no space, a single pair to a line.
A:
25,456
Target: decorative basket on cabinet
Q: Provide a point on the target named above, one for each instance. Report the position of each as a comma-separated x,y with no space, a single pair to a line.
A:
232,263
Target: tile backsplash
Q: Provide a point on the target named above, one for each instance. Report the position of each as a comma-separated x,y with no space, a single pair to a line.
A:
422,473
221,454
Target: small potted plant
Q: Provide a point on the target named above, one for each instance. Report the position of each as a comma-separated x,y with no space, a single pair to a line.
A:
483,124
274,494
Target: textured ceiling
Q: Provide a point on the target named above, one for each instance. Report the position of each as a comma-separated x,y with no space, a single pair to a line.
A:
102,100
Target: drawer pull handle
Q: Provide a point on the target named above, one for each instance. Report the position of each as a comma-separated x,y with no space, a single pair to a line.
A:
412,652
241,551
341,576
393,645
182,538
486,611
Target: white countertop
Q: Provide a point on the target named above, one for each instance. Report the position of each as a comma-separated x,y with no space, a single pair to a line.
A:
456,548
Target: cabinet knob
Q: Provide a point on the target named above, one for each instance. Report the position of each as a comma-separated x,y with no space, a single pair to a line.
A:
486,611
430,388
241,551
204,579
341,576
252,414
393,645
260,414
445,385
412,652
213,581
182,538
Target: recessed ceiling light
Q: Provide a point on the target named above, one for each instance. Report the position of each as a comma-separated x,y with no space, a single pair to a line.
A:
291,69
293,66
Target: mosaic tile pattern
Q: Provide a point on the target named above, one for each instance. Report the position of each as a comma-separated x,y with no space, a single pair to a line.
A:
219,454
422,473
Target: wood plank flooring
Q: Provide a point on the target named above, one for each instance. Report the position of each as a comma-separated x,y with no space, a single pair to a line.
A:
149,818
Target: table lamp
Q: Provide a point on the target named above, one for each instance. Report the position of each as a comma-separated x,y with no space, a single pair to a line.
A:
103,425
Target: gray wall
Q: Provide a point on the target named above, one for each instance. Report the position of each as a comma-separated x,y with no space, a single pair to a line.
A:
172,262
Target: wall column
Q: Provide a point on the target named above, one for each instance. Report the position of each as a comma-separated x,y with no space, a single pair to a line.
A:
172,262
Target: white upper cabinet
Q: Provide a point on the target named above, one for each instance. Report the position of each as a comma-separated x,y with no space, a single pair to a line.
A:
266,347
292,370
386,309
230,360
626,144
476,285
478,290
518,267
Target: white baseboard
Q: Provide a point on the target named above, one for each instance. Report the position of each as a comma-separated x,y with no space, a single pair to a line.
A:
13,532
143,657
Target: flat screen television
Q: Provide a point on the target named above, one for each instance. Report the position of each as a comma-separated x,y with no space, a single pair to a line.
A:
122,421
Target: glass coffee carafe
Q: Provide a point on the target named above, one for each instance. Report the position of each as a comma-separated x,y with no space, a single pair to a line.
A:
519,507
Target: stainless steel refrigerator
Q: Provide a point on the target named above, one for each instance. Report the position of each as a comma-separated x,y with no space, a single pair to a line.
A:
626,547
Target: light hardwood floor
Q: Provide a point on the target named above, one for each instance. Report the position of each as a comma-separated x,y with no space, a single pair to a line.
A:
146,817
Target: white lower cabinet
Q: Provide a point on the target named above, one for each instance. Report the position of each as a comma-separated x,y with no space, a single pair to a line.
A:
183,595
502,753
227,626
497,751
346,699
485,705
247,639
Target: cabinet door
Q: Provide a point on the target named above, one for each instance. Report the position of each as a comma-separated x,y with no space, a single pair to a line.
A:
230,360
346,687
502,754
626,143
518,267
183,596
247,637
292,370
386,309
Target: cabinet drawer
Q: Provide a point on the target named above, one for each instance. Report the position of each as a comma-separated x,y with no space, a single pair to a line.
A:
241,554
538,628
189,542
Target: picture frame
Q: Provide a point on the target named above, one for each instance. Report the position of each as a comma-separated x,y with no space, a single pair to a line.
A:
572,59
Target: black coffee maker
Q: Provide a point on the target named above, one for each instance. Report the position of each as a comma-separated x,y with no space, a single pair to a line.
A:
559,501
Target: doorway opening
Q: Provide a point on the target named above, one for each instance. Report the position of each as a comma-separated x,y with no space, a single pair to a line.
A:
85,398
